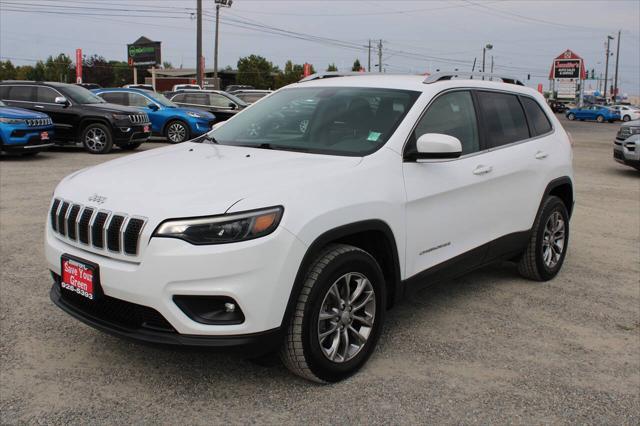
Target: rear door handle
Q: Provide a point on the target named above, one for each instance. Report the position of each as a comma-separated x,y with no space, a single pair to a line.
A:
482,170
541,155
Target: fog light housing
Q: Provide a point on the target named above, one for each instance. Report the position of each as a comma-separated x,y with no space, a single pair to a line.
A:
212,310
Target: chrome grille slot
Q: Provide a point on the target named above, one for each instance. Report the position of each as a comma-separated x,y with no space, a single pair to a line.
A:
118,233
62,215
37,122
83,225
113,233
71,221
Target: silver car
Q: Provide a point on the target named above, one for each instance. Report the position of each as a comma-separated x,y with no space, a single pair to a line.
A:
626,148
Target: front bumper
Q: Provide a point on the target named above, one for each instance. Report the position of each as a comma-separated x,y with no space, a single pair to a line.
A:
125,134
201,126
255,344
627,152
257,274
26,139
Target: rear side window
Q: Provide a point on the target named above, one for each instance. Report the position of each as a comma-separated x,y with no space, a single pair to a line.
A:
452,114
503,118
538,120
119,98
22,93
198,98
4,92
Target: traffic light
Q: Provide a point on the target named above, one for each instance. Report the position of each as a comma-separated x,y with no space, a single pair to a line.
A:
528,76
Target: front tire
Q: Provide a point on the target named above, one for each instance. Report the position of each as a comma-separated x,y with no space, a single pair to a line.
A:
176,131
600,119
547,248
338,316
97,139
571,116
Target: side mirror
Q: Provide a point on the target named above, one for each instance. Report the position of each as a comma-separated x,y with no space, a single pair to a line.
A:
152,107
436,146
232,105
61,100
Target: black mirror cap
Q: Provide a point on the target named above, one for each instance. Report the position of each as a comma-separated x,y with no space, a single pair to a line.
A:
415,156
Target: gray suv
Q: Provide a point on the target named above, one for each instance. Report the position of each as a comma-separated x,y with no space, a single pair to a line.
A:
626,148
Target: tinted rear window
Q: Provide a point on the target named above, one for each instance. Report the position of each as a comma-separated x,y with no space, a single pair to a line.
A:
22,93
538,120
503,118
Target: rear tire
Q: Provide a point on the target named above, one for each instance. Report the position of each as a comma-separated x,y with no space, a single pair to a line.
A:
626,118
346,285
571,116
547,248
97,139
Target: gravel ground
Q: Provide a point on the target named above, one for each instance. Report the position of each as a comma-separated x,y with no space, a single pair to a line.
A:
487,348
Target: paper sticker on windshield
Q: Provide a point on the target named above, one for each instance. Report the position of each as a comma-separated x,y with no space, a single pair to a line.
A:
374,136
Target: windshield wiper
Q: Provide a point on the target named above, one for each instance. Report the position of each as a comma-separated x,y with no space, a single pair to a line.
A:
210,138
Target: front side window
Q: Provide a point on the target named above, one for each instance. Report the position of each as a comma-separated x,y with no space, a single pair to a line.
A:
503,118
323,120
219,100
538,120
197,98
451,114
46,95
136,100
179,97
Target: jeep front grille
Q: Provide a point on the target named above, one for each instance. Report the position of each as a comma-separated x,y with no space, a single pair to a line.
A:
139,118
101,229
37,122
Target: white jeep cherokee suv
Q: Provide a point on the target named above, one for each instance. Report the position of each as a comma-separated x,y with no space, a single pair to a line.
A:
268,234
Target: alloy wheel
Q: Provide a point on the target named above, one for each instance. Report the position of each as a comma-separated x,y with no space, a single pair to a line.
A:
346,317
95,139
176,132
553,240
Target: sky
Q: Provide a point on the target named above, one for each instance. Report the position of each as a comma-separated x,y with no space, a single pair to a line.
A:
417,36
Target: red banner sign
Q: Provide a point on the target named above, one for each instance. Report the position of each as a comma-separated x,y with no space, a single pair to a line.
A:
306,70
78,65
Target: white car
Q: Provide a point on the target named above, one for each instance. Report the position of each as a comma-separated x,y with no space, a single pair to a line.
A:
264,236
177,87
627,113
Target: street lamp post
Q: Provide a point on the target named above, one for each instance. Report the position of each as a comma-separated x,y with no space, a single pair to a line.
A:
606,68
219,3
488,46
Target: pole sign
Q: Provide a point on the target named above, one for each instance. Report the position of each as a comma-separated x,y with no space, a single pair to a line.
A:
567,68
78,66
144,54
306,70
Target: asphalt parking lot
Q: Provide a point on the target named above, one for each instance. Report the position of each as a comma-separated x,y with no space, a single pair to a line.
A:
487,348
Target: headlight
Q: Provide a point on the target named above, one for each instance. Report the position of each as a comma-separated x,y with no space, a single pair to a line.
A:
635,130
222,229
11,120
194,114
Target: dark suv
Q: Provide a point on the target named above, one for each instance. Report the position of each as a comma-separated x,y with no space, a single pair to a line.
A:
221,104
80,116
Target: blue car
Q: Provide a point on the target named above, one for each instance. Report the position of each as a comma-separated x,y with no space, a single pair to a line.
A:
23,131
593,112
176,123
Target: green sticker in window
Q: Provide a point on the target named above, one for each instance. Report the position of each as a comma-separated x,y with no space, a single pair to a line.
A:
373,136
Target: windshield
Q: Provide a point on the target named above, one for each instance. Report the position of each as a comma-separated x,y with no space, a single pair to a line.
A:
81,96
351,121
163,100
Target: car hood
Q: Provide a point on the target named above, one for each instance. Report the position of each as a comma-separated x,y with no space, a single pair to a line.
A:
113,108
11,112
201,112
195,179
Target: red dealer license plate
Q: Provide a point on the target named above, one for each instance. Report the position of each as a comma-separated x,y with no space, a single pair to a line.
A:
146,129
80,276
44,136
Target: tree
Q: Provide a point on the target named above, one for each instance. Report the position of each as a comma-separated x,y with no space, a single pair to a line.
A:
57,69
256,71
167,65
96,69
332,67
37,73
356,65
122,73
24,72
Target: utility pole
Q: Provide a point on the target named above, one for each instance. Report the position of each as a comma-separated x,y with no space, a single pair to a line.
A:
486,47
606,68
199,43
615,79
491,64
380,56
219,3
369,61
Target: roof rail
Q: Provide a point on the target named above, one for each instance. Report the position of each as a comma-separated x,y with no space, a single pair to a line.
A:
440,76
329,74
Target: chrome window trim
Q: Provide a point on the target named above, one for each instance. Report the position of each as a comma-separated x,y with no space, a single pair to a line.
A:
484,151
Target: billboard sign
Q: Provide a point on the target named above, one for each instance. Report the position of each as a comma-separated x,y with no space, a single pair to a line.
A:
144,53
567,68
567,89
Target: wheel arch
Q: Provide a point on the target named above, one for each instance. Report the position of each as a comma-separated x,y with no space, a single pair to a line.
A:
373,236
562,188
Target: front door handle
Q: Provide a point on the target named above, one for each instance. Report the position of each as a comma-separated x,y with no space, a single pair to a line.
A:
541,155
482,170
39,106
